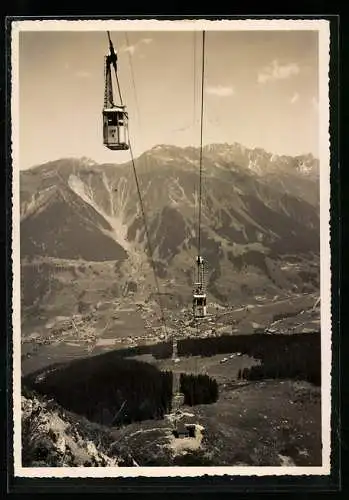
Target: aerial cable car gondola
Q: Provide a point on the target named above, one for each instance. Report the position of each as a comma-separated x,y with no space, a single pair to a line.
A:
199,293
115,117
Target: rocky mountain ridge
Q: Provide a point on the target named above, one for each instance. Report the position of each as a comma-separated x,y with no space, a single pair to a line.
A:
260,218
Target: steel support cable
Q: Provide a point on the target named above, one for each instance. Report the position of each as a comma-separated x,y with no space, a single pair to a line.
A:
117,82
194,68
133,79
201,133
145,223
105,83
150,249
194,123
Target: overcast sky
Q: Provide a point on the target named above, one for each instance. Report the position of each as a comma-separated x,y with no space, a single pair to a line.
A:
261,90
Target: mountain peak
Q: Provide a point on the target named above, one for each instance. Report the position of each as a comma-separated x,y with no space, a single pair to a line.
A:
88,162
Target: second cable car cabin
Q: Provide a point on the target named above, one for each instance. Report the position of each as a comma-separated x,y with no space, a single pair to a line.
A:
199,302
115,128
199,295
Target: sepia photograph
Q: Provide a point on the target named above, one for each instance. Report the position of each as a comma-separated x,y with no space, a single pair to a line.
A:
171,247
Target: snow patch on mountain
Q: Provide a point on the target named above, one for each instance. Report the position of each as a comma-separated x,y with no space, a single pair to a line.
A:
304,167
88,162
119,228
36,202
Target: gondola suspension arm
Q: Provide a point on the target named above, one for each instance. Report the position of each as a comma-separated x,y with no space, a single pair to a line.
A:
112,59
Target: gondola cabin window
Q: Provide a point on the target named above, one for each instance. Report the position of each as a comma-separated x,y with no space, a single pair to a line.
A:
201,301
115,128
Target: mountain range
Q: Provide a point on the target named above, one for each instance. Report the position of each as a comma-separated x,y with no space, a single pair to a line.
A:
82,225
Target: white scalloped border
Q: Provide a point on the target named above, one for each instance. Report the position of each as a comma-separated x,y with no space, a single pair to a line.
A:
322,26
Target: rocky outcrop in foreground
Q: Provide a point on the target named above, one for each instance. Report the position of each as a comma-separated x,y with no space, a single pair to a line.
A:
53,438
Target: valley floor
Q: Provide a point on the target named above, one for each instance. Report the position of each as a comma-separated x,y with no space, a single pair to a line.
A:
120,324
